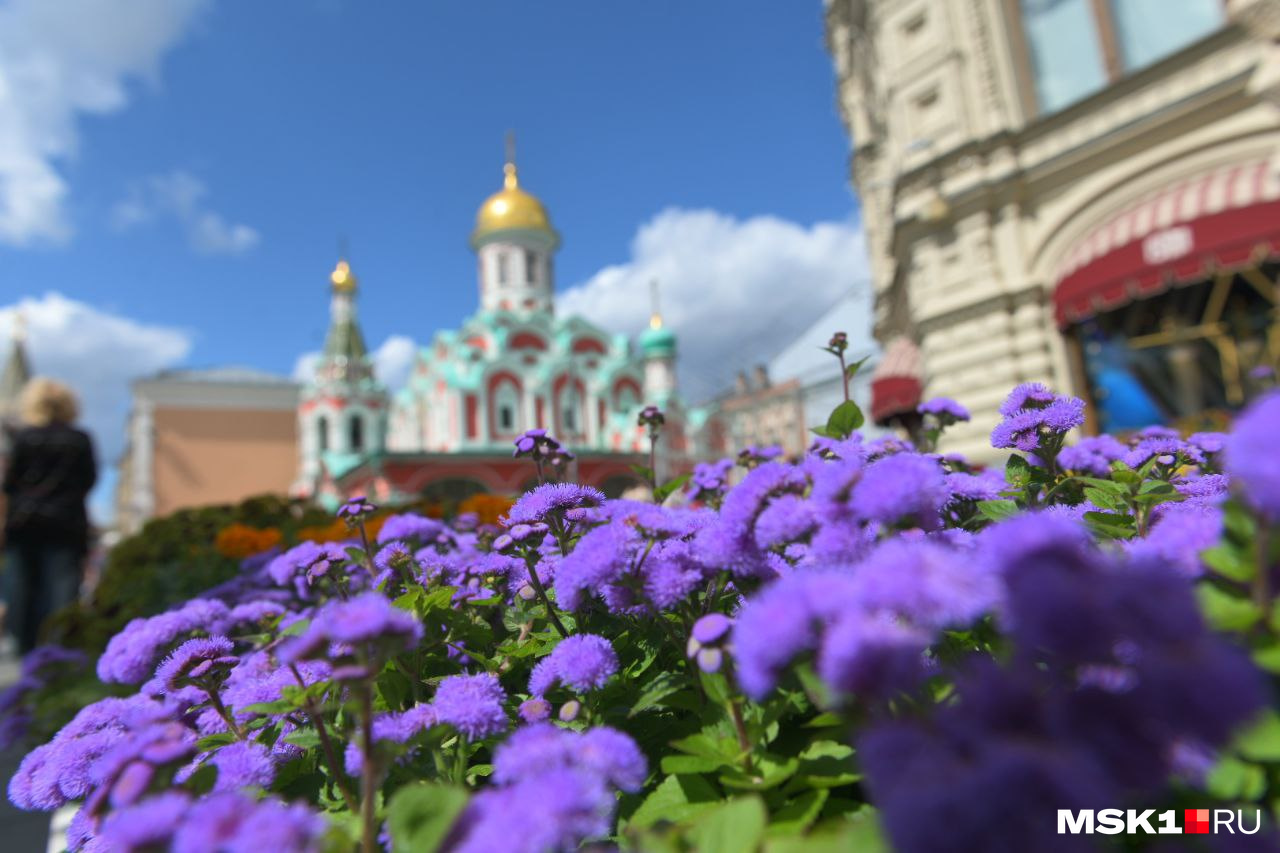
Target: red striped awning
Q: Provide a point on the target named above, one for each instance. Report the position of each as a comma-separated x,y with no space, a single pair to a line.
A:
1225,219
895,383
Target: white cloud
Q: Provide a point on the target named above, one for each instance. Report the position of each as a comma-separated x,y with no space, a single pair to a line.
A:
180,195
97,353
60,59
392,361
734,291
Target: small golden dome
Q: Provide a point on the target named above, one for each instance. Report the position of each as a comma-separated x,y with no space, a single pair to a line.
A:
342,278
511,207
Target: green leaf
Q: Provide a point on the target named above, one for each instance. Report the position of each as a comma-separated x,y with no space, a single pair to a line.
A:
826,764
797,815
666,489
644,472
692,763
997,510
706,746
822,431
1261,741
735,827
1110,525
1229,561
766,773
716,686
1233,779
420,816
678,798
1268,658
657,690
853,368
215,740
844,420
1225,611
1106,500
1105,485
1017,471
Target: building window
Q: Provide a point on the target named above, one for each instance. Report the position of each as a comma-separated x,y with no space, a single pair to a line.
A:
322,433
571,404
1065,52
504,264
355,429
1148,30
506,402
530,266
1076,47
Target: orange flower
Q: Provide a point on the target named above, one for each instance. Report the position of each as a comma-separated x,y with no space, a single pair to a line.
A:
488,508
237,541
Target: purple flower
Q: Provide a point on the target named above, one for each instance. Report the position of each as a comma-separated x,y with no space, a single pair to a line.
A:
902,487
1035,420
582,663
242,764
533,750
557,810
782,622
148,823
945,409
237,823
1029,395
308,560
711,628
551,501
1092,455
709,479
535,710
927,585
197,660
392,727
983,486
536,443
355,508
871,655
411,527
1251,458
366,619
131,655
752,456
472,704
1179,536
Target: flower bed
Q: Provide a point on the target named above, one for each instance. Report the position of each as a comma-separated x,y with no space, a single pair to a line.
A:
873,645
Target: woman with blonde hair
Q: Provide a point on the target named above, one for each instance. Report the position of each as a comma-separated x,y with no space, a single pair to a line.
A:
46,531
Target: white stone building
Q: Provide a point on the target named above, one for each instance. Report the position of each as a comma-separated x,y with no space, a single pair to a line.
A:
1081,192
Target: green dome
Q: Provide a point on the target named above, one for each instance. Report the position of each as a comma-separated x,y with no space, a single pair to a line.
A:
658,342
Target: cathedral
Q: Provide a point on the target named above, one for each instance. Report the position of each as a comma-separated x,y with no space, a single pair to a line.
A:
514,365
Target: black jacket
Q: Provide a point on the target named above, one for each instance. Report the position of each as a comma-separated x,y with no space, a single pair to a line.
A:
50,472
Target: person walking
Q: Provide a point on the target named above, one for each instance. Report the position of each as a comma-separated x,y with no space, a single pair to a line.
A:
46,530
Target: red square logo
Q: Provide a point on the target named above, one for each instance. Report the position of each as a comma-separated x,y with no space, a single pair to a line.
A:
1196,821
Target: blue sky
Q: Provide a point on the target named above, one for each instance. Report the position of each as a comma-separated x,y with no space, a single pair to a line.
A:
209,154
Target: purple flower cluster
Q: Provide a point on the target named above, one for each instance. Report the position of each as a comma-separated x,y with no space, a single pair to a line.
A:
1251,458
39,667
367,625
946,410
131,655
582,663
555,790
472,704
1036,420
1112,671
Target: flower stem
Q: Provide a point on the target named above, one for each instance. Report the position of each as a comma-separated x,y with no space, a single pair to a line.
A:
653,464
368,554
844,376
1262,577
369,774
216,701
740,728
460,761
326,743
536,582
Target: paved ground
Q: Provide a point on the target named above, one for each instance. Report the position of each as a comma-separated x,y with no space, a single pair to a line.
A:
20,832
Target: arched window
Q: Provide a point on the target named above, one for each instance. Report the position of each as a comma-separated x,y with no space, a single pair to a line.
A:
322,433
628,397
504,267
355,429
530,266
506,405
570,407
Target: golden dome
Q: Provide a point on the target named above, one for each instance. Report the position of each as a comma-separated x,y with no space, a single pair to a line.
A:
342,278
511,207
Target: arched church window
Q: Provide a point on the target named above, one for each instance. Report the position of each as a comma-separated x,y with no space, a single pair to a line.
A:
571,404
504,267
506,401
628,399
355,429
530,266
322,433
